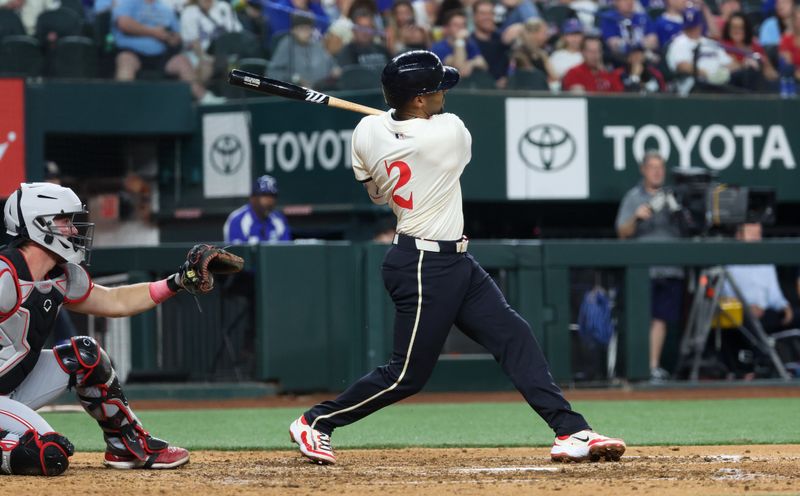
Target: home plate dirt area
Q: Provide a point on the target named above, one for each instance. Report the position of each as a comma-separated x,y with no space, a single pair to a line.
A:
762,469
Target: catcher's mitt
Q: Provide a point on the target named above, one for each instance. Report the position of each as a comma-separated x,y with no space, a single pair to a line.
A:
202,262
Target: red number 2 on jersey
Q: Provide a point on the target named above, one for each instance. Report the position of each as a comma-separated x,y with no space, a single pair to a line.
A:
405,176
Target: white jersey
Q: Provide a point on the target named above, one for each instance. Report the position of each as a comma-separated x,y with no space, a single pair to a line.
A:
416,166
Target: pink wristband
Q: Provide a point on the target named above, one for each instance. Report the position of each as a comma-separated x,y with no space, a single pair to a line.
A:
160,292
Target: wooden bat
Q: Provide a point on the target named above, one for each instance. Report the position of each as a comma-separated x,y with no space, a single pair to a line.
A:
270,86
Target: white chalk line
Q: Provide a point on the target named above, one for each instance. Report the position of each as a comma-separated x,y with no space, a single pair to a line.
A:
492,470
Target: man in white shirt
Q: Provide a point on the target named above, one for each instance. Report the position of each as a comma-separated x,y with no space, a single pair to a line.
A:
760,288
411,158
697,58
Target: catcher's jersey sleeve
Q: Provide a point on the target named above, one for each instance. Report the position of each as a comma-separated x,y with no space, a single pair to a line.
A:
9,290
416,164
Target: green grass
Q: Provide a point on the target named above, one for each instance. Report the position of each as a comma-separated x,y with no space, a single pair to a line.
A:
745,421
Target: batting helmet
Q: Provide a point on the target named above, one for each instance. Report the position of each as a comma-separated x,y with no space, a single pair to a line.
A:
414,73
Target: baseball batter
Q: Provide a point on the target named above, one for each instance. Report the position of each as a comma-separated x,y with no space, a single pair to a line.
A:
411,158
41,271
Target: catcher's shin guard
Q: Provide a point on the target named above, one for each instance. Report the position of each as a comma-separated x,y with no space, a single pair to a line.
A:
34,453
101,395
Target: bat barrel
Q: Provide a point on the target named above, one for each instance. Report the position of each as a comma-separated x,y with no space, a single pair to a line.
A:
267,85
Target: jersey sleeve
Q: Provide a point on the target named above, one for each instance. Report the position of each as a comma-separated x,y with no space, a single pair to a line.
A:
9,290
232,230
464,139
358,147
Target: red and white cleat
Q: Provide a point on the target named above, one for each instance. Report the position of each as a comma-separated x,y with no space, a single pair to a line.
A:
586,445
172,457
314,445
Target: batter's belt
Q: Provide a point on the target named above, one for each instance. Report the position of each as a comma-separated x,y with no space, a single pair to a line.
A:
411,243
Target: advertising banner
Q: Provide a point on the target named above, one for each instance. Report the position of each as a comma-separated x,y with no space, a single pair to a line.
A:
12,135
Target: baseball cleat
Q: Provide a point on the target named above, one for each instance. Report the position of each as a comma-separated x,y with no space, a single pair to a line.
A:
314,445
586,445
172,457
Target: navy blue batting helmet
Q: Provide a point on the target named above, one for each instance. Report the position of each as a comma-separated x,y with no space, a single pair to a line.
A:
414,73
265,185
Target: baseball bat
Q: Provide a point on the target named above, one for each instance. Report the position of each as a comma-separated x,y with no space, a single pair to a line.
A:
271,86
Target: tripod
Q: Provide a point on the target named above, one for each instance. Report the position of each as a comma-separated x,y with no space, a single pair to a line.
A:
705,306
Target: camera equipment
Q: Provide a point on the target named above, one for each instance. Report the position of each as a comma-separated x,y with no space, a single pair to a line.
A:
707,204
708,314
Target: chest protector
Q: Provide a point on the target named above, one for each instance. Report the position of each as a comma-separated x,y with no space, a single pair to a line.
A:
28,311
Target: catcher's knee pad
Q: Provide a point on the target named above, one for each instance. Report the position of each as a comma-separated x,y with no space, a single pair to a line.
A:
35,454
101,396
85,361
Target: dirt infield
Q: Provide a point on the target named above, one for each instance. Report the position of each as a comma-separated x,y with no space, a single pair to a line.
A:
488,471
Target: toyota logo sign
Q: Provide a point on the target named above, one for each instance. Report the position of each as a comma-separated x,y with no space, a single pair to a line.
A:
547,147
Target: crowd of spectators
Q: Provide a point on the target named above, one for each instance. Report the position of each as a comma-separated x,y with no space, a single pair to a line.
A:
638,46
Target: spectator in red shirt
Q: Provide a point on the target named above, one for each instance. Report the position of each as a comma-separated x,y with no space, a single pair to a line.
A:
591,76
790,44
739,41
637,75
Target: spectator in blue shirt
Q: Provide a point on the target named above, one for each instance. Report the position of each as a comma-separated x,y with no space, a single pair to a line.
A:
517,12
760,288
258,221
279,12
458,49
147,35
487,37
622,27
773,28
670,23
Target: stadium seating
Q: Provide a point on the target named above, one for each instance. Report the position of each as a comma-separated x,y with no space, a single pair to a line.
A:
528,80
57,24
557,14
478,80
21,56
10,24
239,45
75,6
73,57
359,78
254,65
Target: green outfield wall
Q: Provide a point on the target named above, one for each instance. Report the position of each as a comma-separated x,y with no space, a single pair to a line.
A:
324,304
524,147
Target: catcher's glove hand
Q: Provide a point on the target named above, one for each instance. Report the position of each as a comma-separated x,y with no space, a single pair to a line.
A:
196,275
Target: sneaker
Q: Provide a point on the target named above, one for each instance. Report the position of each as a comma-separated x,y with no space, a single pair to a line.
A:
172,457
586,445
658,375
314,445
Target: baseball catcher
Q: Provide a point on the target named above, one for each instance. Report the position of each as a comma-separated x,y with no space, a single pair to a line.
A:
42,270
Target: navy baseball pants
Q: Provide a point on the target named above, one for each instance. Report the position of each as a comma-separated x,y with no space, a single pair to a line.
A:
431,291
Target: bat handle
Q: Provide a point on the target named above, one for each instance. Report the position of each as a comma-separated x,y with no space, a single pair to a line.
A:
353,107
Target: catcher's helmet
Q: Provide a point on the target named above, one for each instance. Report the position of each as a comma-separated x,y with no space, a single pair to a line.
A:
30,213
415,73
